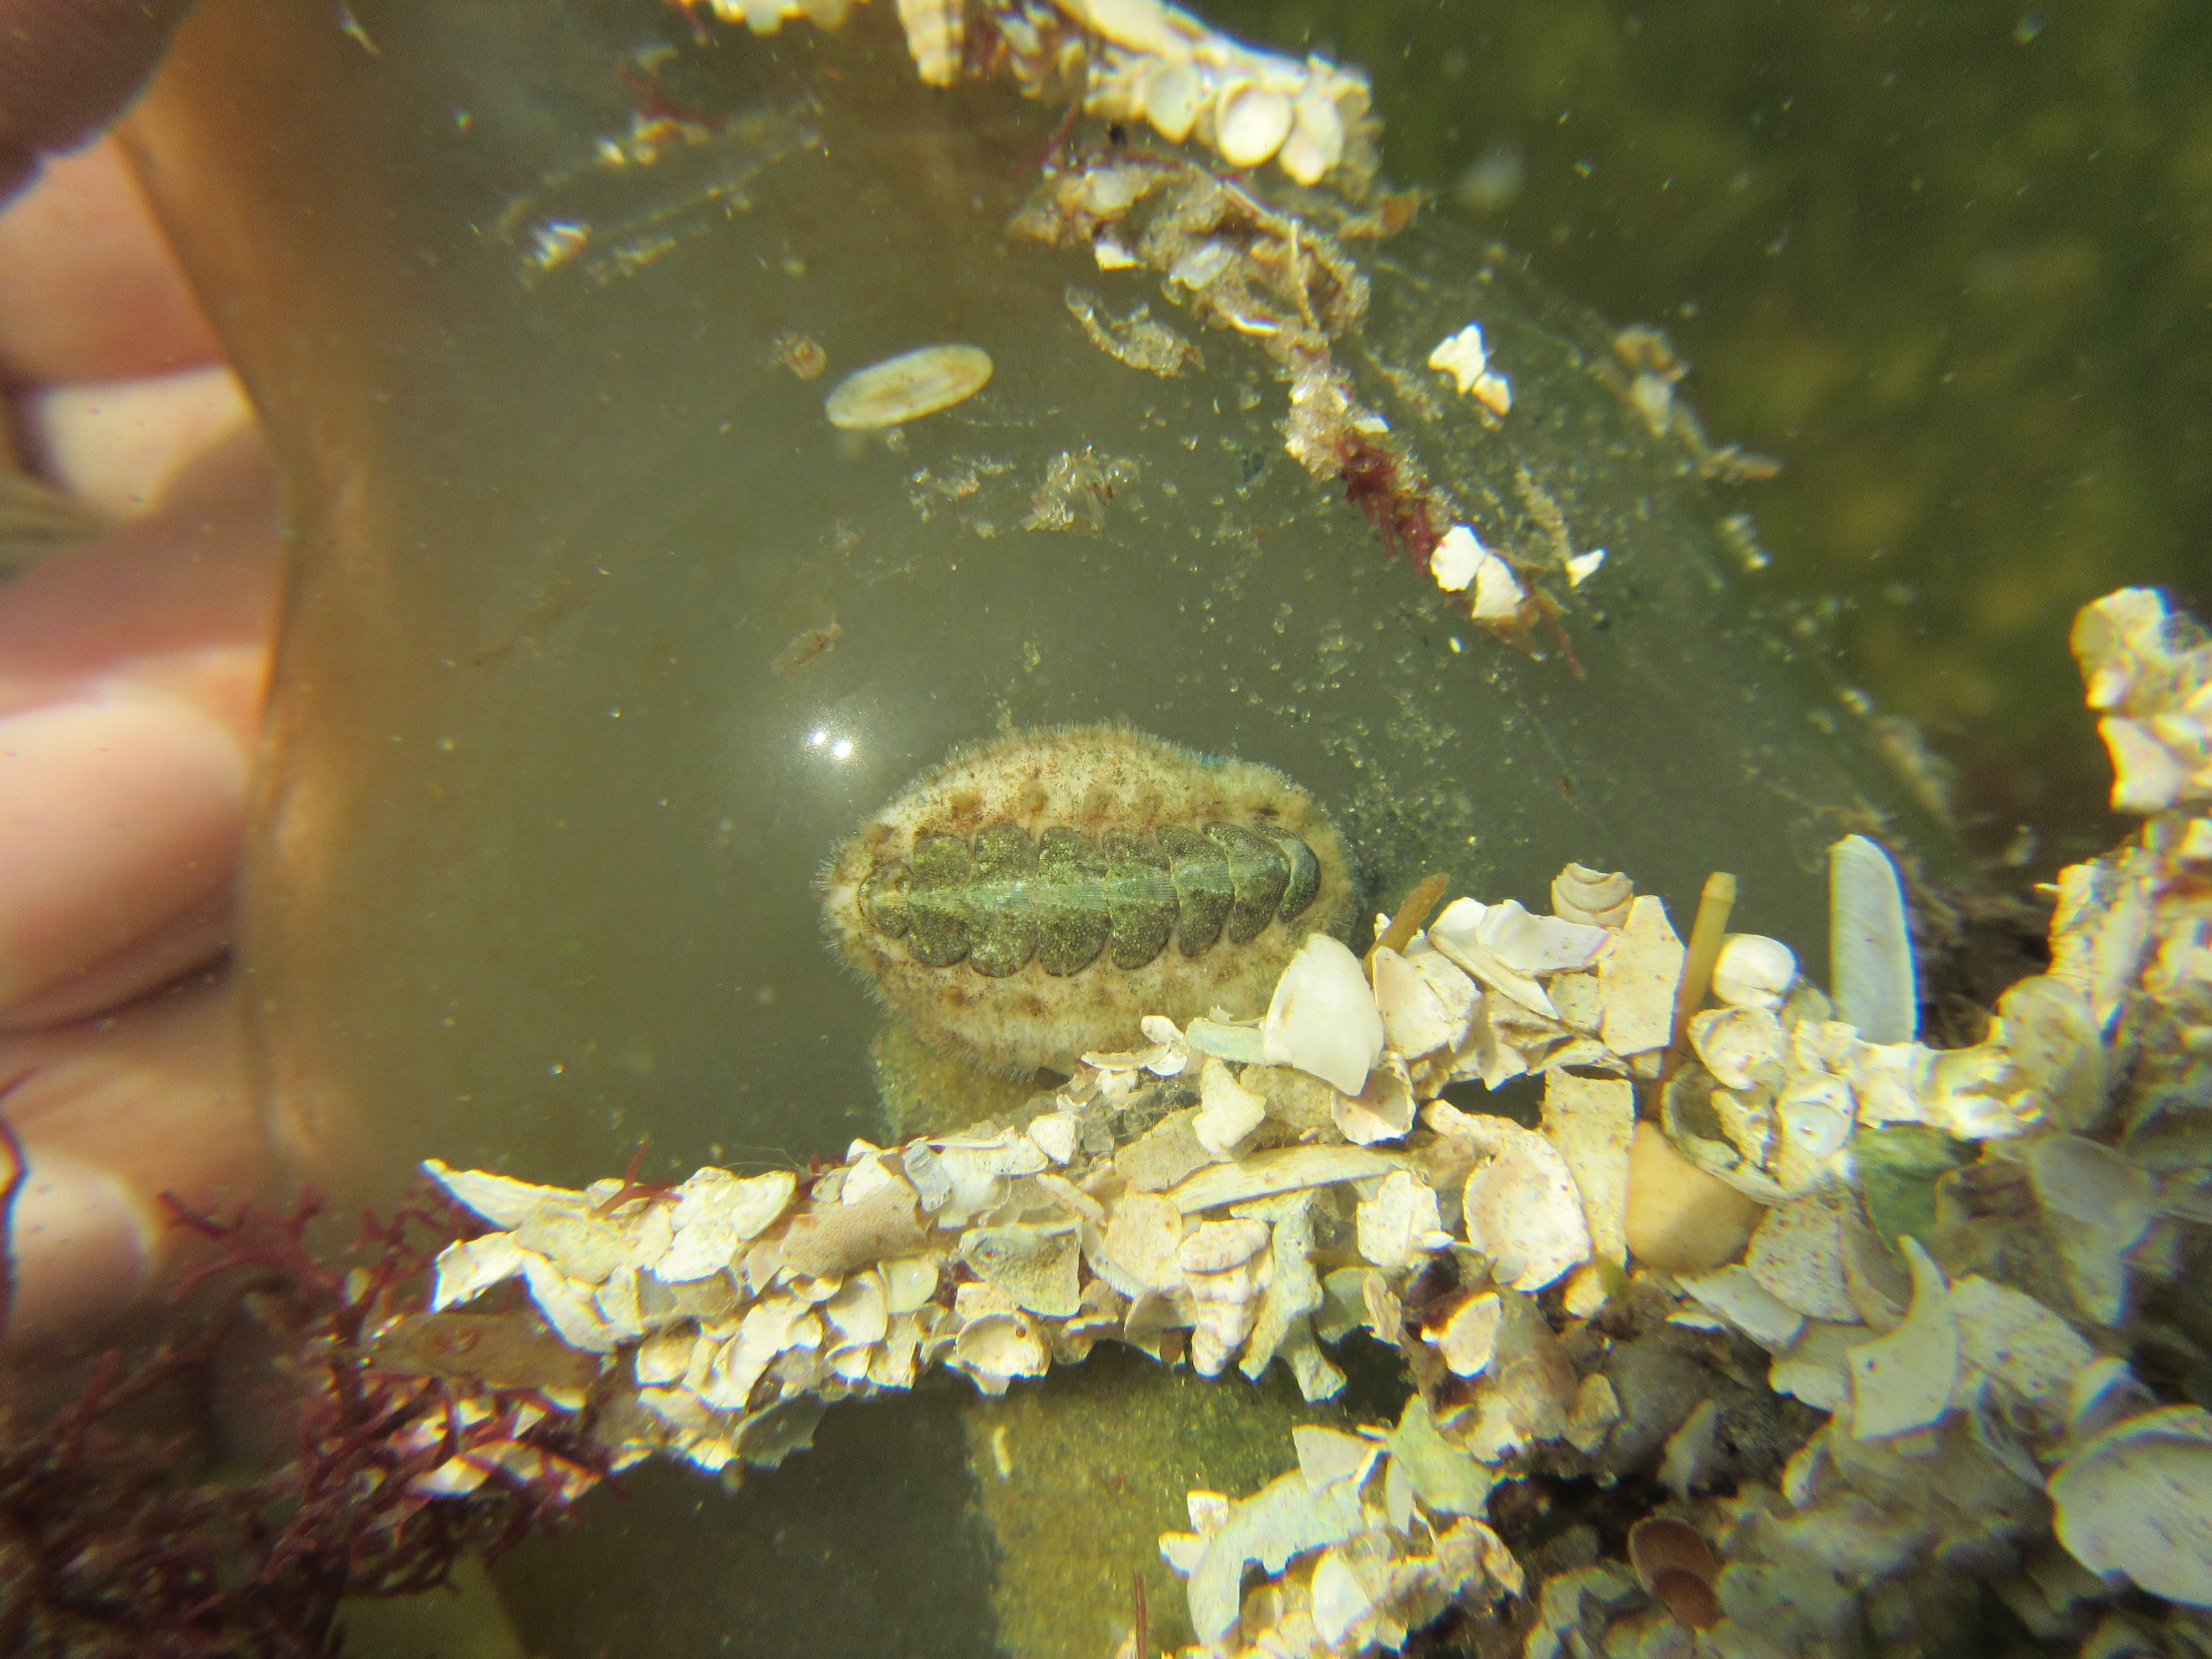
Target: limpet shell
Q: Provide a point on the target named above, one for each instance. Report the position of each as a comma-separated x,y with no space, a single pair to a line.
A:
907,386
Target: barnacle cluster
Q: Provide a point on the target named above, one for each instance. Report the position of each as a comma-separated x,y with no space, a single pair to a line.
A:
1131,60
1929,1353
1939,1364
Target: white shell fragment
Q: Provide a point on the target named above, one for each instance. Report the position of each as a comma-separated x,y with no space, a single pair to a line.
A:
1946,1251
1869,949
1401,1225
1797,1256
1463,356
1287,1169
1382,1109
1250,123
1461,562
1226,1268
1581,567
1468,1339
2136,1502
936,33
1904,1380
1458,554
2147,673
466,1269
1228,1111
1519,1207
907,386
1736,1295
1591,1121
1322,1018
499,1200
1426,1002
1638,979
1498,595
1316,141
1522,941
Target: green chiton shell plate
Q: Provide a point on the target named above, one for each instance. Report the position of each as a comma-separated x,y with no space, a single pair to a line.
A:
1033,898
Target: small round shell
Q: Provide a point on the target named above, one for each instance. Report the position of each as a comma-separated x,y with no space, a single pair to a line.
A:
999,1346
1250,123
1317,140
1814,1110
1737,1044
905,387
1754,971
1173,94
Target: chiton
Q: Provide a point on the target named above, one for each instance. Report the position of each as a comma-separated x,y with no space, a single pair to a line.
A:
1034,897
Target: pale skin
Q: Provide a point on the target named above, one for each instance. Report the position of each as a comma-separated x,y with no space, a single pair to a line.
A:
133,671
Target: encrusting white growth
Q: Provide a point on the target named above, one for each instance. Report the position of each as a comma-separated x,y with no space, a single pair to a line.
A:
1952,1240
1870,973
1140,60
2149,672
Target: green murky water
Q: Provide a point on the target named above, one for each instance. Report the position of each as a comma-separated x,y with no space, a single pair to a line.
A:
1952,263
534,870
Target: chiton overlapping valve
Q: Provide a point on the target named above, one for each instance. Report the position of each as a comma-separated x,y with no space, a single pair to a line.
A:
1034,897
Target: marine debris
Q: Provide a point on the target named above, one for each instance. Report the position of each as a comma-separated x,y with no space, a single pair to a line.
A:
1913,1356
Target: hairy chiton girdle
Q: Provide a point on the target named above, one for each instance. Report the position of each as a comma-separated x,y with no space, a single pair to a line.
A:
1034,897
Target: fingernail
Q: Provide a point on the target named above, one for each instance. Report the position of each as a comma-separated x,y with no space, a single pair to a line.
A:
82,1248
116,815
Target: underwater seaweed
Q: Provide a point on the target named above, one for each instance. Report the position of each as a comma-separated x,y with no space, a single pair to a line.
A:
119,1538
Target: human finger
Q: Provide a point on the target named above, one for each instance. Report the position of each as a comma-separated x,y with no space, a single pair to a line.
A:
89,290
132,677
107,1115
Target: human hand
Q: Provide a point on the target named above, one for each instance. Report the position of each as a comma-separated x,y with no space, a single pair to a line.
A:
132,675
